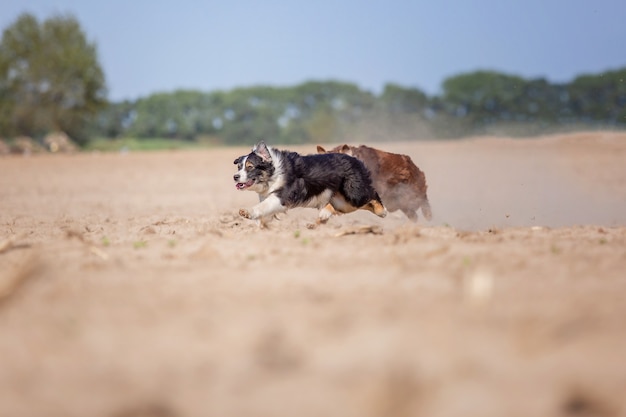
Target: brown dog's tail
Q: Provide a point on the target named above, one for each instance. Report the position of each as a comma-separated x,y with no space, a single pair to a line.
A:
425,206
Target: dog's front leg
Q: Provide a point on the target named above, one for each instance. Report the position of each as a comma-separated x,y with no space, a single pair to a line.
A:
326,213
264,210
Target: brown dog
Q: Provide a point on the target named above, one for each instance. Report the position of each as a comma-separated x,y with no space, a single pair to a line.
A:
399,182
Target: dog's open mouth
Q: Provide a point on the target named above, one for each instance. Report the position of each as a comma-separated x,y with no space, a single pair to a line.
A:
244,185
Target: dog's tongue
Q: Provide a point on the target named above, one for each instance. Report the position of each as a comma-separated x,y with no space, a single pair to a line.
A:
242,185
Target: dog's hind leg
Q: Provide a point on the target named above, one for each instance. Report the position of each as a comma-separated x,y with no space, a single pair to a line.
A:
426,211
411,213
340,205
375,207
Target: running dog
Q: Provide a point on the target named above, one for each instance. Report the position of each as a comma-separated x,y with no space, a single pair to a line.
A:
400,183
332,183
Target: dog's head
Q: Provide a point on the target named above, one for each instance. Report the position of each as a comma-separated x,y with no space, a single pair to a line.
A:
254,170
339,149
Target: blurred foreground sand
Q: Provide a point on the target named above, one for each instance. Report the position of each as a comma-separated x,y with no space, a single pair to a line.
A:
129,286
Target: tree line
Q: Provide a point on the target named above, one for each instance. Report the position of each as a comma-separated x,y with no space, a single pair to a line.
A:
331,111
50,79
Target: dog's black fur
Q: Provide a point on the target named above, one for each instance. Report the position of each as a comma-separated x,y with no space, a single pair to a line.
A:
295,180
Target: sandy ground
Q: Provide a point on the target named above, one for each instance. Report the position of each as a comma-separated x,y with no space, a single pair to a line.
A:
129,287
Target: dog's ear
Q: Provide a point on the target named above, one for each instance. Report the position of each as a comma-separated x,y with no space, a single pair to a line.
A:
345,149
320,149
237,160
262,150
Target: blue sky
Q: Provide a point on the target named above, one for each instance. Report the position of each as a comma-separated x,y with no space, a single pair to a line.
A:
148,46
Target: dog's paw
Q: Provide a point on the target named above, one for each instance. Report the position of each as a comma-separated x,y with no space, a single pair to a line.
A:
244,213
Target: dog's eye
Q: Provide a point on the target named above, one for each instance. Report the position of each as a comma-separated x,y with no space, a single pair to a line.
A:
239,166
249,167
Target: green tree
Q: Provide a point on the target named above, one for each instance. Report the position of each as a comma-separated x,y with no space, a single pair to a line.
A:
600,98
50,78
398,99
484,96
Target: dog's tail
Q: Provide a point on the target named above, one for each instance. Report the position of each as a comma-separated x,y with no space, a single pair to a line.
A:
425,206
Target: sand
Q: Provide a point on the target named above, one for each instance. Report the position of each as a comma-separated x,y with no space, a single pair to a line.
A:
129,286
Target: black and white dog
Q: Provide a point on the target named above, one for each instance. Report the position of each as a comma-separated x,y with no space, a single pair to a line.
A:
333,183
